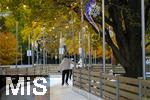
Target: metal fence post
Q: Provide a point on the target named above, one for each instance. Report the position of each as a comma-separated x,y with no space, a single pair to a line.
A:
117,88
46,70
89,80
73,75
6,73
80,78
34,70
140,87
27,71
17,71
101,84
41,68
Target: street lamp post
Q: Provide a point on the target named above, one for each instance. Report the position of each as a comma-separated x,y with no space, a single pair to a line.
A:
21,56
103,23
95,56
16,44
38,52
143,36
43,38
89,49
28,49
61,47
82,33
73,36
32,49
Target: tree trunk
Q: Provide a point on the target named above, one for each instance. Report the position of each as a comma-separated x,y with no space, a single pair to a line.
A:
127,29
135,65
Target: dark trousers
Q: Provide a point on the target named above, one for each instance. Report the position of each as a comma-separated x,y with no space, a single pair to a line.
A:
65,73
70,73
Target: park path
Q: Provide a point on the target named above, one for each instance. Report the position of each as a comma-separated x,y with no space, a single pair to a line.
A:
58,92
55,92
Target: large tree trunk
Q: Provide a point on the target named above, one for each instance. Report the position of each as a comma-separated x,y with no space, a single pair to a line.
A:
127,28
134,68
135,52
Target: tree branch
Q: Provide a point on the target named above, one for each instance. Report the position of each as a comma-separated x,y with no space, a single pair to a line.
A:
116,16
147,44
115,50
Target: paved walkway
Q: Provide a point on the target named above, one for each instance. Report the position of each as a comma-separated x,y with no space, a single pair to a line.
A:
56,92
64,93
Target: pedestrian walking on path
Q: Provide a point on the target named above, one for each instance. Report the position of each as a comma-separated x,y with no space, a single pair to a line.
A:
65,68
73,64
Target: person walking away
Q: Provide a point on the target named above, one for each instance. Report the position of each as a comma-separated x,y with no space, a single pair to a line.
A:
72,64
65,66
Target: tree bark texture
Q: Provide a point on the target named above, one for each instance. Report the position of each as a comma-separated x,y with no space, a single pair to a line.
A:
126,19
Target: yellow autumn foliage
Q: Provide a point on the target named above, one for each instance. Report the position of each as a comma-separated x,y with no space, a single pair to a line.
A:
7,48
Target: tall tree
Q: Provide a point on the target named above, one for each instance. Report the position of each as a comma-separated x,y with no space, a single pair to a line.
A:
126,22
124,17
7,48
